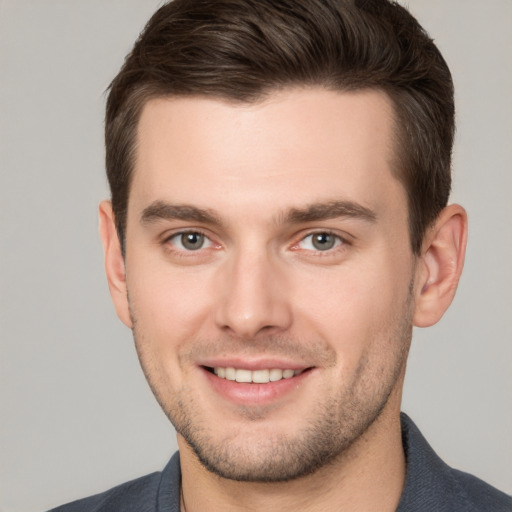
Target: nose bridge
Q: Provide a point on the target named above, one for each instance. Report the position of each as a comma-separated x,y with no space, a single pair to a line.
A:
253,296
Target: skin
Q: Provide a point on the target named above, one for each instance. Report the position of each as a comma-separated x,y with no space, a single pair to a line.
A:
257,181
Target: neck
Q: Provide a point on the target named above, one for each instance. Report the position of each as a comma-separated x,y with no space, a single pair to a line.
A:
367,476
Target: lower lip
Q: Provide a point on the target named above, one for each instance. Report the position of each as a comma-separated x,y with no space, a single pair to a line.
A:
243,393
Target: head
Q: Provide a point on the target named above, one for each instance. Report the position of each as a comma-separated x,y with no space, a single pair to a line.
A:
242,51
279,176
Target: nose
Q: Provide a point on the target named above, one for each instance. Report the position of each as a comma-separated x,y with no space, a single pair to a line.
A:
253,297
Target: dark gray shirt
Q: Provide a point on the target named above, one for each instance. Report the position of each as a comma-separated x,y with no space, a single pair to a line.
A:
430,486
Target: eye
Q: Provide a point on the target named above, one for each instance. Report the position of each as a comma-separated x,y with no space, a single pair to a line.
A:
321,241
190,241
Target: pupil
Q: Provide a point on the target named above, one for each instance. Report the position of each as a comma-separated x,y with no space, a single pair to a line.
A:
323,241
192,241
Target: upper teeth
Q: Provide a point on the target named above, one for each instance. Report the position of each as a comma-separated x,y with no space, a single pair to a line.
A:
257,376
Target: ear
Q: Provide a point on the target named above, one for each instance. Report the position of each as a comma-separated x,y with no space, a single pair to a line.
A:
440,265
114,263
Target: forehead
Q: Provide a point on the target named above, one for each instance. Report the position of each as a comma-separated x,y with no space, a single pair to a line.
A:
296,146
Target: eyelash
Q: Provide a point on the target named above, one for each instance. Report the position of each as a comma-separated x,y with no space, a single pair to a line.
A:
340,242
183,251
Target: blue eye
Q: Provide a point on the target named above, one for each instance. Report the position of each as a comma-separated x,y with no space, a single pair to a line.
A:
190,241
321,241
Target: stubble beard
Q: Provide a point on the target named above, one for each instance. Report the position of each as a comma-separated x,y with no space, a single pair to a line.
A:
334,424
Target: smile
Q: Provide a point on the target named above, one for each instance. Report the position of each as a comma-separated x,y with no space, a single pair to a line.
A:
255,376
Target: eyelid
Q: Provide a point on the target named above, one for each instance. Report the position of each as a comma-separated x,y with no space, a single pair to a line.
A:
167,239
342,240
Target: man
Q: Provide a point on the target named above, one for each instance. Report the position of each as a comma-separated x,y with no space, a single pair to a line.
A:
280,172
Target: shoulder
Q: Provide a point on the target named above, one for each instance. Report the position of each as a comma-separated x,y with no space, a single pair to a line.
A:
481,495
151,493
433,485
139,494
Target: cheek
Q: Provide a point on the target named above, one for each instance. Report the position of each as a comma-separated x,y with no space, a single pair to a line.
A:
168,305
354,307
169,311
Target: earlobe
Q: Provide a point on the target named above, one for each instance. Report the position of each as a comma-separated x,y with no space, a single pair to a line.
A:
440,266
114,263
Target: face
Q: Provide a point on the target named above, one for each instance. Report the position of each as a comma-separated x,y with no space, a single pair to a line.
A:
269,275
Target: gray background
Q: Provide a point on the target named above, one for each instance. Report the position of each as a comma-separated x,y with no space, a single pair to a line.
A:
76,414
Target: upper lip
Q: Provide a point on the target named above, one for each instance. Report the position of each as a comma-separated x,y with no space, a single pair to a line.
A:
254,364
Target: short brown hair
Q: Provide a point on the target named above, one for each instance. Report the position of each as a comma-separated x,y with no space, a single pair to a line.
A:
241,50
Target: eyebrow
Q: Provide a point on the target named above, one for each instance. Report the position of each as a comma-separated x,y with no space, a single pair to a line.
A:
330,210
160,210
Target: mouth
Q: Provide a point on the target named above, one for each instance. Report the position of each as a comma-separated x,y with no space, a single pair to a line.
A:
256,382
263,376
